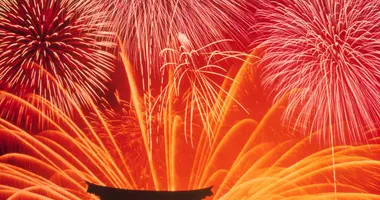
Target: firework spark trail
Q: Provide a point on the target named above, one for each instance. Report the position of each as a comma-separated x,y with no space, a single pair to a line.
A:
68,126
148,26
188,66
267,163
197,69
54,37
330,49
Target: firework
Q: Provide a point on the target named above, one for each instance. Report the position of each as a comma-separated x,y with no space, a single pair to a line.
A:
147,27
247,160
197,70
329,49
48,48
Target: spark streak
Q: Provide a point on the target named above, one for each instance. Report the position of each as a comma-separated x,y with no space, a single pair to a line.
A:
47,38
329,49
248,159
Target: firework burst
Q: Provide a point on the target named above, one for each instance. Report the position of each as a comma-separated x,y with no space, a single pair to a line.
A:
330,49
197,70
148,26
47,45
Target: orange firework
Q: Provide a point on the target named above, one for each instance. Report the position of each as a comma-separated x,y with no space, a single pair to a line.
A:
246,158
198,70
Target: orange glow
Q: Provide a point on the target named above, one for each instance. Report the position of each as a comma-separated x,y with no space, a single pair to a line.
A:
246,158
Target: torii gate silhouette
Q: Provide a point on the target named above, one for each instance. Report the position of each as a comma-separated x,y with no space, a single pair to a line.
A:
109,193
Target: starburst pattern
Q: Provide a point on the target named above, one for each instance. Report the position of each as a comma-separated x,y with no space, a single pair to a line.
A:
330,50
47,47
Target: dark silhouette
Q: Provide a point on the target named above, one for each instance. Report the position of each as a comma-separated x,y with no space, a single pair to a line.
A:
109,193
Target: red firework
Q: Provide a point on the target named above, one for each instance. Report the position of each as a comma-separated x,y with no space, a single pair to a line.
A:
47,47
149,26
330,50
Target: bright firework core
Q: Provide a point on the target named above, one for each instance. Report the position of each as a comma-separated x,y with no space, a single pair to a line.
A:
44,40
329,50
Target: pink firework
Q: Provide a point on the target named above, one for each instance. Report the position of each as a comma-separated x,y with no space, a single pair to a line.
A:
330,50
149,26
47,47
